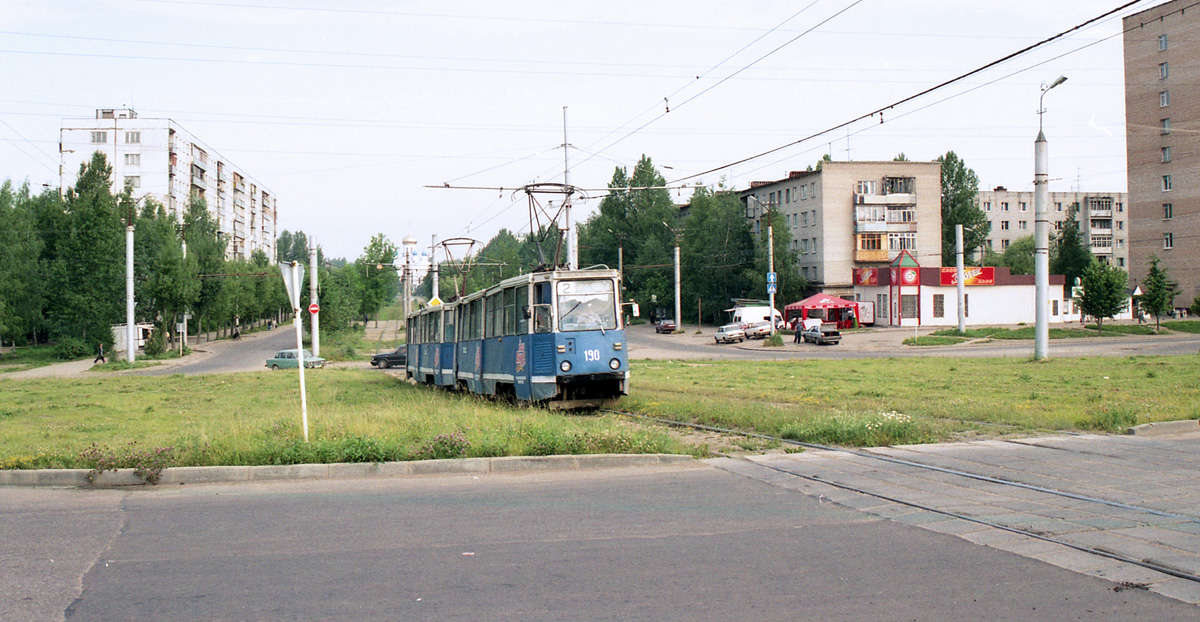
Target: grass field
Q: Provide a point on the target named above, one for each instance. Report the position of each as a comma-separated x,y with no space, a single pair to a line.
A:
247,419
891,401
1027,332
368,416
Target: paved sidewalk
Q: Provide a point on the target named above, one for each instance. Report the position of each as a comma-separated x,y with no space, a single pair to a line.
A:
1160,473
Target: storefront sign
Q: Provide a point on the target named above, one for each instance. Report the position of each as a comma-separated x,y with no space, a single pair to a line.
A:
866,276
972,275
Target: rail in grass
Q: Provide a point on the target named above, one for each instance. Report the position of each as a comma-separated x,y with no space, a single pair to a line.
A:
553,337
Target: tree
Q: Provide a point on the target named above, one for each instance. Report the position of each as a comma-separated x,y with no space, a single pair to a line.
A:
22,275
1158,292
86,274
1019,256
960,190
718,253
900,157
208,249
1103,292
1070,256
377,274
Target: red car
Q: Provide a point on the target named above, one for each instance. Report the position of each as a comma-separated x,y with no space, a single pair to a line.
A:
665,326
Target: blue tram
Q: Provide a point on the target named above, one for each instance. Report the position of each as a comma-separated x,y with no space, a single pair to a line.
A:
552,337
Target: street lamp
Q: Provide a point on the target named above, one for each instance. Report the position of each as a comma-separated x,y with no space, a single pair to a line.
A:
1041,233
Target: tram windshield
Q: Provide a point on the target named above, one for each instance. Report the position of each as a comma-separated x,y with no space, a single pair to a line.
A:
586,305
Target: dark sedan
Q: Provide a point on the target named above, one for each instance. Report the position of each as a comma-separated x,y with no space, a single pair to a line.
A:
384,360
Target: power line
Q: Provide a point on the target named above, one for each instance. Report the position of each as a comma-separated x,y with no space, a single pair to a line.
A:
881,111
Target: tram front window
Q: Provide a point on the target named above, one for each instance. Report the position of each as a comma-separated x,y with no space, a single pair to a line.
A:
586,305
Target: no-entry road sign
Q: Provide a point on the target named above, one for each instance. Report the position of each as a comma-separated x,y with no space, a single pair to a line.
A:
313,308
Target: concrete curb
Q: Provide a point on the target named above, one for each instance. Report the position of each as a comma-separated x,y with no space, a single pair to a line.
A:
225,474
1165,427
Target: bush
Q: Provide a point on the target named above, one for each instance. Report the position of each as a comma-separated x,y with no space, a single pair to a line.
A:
156,344
70,349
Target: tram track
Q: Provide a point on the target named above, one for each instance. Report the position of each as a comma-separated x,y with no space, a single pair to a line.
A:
1030,533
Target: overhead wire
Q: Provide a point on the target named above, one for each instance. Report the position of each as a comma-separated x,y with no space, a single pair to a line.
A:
922,93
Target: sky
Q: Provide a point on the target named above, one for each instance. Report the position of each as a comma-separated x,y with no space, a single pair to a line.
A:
347,111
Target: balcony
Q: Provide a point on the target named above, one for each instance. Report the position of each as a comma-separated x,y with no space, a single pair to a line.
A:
871,256
898,198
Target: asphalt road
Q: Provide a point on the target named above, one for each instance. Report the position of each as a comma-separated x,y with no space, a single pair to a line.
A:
887,342
228,356
681,543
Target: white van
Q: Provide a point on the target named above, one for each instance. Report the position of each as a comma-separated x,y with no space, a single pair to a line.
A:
754,315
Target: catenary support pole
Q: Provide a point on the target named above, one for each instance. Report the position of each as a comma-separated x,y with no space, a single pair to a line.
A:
677,289
958,278
314,318
130,327
771,269
1041,253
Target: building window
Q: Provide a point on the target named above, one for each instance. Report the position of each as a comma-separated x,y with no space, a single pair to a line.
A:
1162,43
987,206
1166,126
133,138
902,242
1168,211
901,214
133,159
1164,71
1004,245
1022,225
1120,207
1121,262
1058,206
1004,206
1164,99
1166,154
804,218
1168,241
1024,206
99,137
1120,225
812,190
1120,243
908,306
1166,183
1003,225
814,245
133,181
804,246
870,242
939,305
1054,307
866,187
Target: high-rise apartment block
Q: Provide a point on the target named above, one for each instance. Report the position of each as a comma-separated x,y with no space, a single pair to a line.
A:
854,215
159,159
1102,216
1162,117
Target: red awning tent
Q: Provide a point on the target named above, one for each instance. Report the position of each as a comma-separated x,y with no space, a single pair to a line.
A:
833,309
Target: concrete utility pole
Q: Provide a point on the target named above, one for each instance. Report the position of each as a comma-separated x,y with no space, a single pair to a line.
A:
409,243
1041,232
130,328
433,265
958,277
678,315
314,319
572,239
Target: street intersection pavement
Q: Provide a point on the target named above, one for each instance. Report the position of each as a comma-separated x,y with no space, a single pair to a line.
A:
1151,482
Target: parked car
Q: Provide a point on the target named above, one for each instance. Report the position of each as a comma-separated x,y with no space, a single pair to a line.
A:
289,358
759,330
821,333
730,333
665,326
397,358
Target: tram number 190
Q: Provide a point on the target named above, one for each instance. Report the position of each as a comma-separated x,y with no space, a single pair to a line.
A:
591,355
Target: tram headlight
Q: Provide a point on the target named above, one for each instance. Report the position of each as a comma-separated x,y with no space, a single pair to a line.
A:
565,366
614,364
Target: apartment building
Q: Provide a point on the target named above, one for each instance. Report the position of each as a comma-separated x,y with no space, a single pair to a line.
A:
1162,116
850,215
159,159
1103,219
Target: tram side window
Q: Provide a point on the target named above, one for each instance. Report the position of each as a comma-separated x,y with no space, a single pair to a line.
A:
523,310
490,321
448,333
542,320
510,311
475,309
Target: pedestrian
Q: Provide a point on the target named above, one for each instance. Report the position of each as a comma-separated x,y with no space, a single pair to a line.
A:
100,356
